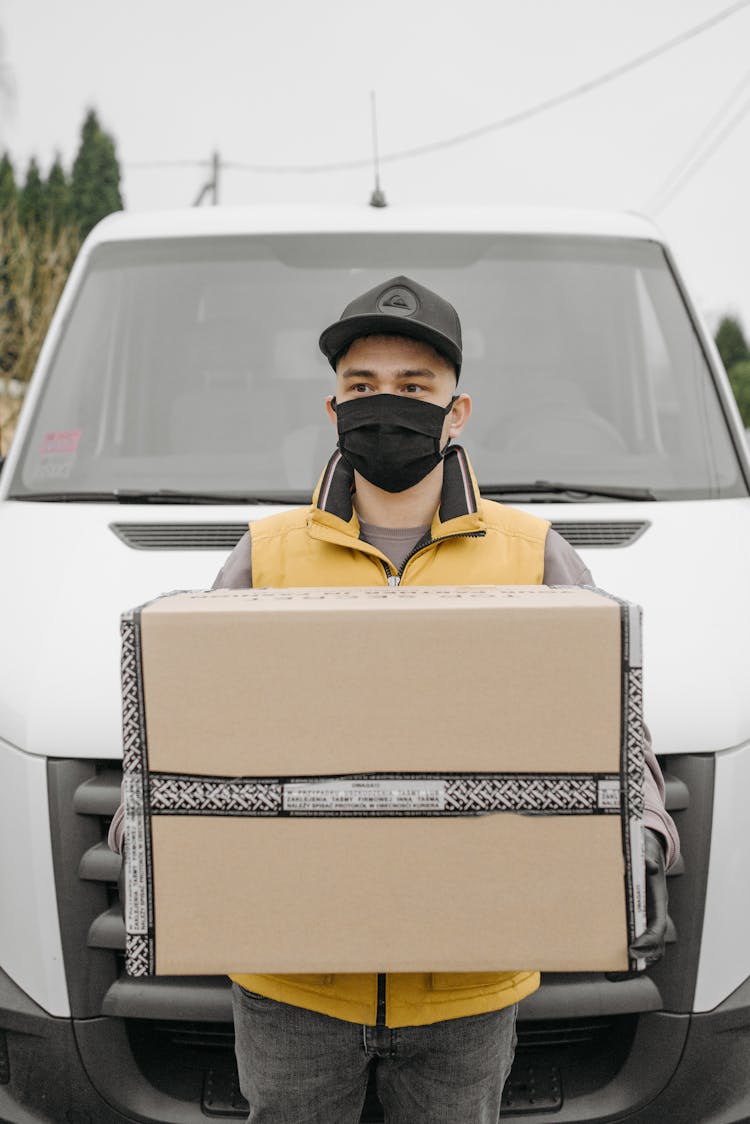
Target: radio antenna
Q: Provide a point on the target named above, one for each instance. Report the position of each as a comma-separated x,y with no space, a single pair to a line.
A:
377,199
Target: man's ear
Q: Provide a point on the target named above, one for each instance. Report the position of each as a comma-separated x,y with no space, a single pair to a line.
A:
330,411
459,415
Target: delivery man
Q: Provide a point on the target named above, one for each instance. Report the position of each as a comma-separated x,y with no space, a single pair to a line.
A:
398,504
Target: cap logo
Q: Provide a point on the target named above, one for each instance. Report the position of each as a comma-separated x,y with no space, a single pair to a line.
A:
398,301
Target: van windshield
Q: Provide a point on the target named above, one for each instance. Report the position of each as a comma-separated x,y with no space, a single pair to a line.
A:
192,366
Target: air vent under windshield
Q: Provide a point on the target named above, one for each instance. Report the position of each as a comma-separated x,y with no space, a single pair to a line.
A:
610,532
180,536
225,536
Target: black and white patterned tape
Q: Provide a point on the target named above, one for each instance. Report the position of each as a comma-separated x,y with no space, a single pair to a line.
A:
378,794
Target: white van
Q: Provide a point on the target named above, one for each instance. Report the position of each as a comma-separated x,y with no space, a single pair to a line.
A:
179,395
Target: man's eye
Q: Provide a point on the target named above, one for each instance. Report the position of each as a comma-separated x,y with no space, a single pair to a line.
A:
412,388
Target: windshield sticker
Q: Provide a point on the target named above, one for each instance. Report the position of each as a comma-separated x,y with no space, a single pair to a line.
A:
61,441
57,455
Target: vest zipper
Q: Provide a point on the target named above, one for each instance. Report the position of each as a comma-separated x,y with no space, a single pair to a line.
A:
395,579
380,1019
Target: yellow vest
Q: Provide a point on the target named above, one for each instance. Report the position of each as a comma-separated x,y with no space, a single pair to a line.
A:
472,542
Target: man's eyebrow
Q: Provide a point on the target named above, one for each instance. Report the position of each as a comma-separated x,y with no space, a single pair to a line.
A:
408,373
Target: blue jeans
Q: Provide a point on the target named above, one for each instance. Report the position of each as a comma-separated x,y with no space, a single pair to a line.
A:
299,1067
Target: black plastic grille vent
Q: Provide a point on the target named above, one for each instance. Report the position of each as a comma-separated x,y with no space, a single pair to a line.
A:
180,536
609,533
225,536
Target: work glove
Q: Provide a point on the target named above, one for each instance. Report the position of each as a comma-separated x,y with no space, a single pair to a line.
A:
650,945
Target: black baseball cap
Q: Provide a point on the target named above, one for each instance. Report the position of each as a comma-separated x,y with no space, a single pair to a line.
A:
399,307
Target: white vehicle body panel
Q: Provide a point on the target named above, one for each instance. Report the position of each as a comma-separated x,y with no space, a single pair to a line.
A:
30,945
725,947
344,220
62,597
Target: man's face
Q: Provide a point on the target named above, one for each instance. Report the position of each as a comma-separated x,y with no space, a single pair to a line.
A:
399,365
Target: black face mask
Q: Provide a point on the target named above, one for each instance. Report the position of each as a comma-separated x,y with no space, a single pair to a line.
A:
391,440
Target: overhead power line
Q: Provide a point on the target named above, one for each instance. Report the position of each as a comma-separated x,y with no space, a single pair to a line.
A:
169,163
704,156
706,144
483,130
513,118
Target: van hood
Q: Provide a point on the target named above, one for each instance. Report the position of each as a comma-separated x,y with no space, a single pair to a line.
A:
65,578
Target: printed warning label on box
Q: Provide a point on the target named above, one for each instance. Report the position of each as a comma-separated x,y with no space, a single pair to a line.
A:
136,899
374,795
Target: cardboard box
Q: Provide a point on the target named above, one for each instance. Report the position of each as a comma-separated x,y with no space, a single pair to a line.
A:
409,779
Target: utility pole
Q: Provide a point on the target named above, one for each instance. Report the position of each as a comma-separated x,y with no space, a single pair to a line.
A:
211,185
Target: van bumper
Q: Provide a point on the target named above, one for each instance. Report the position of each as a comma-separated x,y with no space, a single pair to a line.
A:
42,1077
711,1083
691,1068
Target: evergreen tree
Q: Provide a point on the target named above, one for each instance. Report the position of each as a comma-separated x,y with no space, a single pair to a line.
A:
95,185
31,201
730,341
739,377
8,190
57,196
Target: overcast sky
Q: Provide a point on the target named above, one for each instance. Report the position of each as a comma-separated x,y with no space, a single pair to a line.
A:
288,82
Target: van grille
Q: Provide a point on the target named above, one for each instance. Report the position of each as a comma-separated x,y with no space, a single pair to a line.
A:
176,1032
225,536
95,794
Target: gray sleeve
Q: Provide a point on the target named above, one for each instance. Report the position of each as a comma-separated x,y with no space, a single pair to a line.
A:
564,566
237,571
115,836
656,815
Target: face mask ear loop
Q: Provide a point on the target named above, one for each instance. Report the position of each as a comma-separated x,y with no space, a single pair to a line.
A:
334,404
448,409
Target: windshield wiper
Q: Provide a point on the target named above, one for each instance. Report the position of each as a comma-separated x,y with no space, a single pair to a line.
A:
66,497
174,495
163,495
554,488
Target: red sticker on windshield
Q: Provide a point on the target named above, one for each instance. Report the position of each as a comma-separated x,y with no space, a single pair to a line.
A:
62,441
